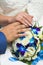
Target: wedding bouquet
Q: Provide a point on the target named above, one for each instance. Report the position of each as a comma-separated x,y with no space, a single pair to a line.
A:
27,48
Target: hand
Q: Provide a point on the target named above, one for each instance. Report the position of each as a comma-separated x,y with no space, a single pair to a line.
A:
13,31
24,18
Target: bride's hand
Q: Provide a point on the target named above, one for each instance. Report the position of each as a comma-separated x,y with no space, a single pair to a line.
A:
22,18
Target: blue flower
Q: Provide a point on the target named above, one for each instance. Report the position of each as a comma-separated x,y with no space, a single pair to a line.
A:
19,45
21,38
40,54
35,30
16,53
39,57
32,40
38,29
13,59
32,43
42,44
21,49
34,62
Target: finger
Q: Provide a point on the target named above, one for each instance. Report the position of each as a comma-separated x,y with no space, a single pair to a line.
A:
28,17
23,22
20,35
26,22
20,27
20,19
23,30
15,23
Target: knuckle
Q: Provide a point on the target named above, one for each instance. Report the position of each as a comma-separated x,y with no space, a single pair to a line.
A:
20,30
22,26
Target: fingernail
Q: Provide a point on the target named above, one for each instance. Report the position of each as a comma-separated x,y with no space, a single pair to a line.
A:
30,24
26,24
